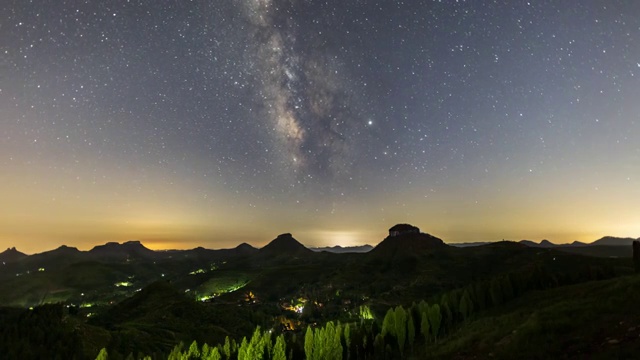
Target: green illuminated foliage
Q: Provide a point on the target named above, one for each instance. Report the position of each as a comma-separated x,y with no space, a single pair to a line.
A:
102,355
435,317
279,349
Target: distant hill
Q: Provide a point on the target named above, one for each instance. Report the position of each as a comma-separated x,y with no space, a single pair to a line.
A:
605,241
124,251
614,241
64,251
245,249
341,250
284,244
469,244
608,246
11,255
543,244
408,243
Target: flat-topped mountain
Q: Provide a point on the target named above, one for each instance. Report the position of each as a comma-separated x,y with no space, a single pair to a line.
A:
126,250
407,239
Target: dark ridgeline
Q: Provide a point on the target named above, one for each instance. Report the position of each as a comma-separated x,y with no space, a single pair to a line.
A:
636,255
11,255
407,240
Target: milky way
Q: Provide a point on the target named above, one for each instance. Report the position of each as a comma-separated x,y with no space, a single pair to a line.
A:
302,90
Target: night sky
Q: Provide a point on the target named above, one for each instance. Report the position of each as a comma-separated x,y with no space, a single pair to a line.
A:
210,123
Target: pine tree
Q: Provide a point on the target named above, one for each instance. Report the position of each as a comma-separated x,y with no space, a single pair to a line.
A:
176,353
379,346
389,323
102,355
424,326
347,339
255,349
423,306
401,327
214,354
226,349
194,351
279,351
466,305
411,330
242,350
336,346
308,343
447,317
435,317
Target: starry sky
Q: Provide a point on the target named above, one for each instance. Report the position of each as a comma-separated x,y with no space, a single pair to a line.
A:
210,123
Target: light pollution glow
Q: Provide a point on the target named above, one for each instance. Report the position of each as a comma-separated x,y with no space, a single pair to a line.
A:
41,212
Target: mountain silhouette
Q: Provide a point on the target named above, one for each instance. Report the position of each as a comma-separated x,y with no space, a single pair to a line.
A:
347,249
605,241
11,255
614,241
284,244
126,250
546,243
245,249
408,243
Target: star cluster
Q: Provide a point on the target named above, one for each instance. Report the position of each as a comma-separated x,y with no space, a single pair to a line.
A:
209,123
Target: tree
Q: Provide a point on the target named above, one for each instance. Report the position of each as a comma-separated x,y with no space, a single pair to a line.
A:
242,350
212,354
102,355
279,351
365,313
226,349
308,343
347,339
379,346
194,351
466,305
176,353
423,306
401,327
424,326
336,345
389,323
435,317
255,349
447,316
411,330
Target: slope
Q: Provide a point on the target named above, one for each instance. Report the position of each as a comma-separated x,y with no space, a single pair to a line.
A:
598,319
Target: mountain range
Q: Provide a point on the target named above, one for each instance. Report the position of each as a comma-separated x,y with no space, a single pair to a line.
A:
284,243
